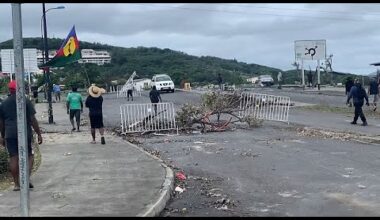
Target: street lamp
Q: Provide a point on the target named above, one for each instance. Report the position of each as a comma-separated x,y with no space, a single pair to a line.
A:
46,70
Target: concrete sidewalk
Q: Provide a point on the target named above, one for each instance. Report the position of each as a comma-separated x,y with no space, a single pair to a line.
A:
77,178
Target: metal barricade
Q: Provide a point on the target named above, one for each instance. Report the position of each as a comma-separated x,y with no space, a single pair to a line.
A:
266,107
147,117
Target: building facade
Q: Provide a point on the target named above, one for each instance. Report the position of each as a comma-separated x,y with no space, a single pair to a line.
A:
142,84
8,61
99,57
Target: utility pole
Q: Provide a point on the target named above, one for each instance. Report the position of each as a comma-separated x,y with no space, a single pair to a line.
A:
303,75
21,109
46,70
319,75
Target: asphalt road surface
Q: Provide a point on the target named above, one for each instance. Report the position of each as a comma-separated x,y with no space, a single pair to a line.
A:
267,171
270,171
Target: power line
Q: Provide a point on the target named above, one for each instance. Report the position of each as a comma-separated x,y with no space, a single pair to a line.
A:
294,9
260,13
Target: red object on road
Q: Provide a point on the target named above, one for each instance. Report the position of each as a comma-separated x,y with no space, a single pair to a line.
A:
180,176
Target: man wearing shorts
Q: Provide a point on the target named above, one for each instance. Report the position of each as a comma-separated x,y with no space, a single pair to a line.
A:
57,92
155,98
130,91
373,91
8,128
74,106
94,103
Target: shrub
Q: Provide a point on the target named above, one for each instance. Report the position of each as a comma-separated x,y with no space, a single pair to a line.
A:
4,165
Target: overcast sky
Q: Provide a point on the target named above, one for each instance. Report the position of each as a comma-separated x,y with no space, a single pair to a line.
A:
253,33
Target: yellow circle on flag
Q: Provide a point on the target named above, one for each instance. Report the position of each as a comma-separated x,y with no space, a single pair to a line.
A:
69,48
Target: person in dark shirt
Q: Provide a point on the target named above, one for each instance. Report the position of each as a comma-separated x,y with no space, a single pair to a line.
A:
8,128
310,79
358,94
373,91
155,98
349,84
220,81
94,103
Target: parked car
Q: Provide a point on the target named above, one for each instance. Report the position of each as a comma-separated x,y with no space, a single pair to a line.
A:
163,82
266,80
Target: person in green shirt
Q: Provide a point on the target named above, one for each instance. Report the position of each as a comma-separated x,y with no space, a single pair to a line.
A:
74,105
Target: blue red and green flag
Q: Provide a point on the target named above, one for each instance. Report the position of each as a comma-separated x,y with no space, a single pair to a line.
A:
67,53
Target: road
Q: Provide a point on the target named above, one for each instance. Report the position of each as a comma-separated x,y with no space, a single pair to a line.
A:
273,170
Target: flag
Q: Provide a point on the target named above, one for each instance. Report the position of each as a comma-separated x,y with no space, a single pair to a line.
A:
67,53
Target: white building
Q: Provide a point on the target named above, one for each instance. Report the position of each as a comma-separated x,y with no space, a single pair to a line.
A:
8,61
40,58
99,57
141,84
88,56
253,80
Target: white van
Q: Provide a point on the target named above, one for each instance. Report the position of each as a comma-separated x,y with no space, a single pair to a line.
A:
163,82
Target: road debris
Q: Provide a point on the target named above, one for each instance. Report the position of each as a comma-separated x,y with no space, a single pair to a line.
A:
287,194
361,186
179,190
181,176
249,154
67,154
58,195
223,207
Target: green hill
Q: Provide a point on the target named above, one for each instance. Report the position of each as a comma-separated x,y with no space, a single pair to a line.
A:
149,61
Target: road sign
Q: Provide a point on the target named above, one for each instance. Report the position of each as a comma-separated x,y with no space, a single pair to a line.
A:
310,49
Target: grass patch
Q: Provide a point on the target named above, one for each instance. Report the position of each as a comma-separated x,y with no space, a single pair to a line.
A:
368,111
5,175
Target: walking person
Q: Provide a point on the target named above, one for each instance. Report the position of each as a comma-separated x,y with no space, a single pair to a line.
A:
94,103
309,79
279,79
349,83
155,98
8,130
130,91
373,91
220,81
358,94
57,92
74,105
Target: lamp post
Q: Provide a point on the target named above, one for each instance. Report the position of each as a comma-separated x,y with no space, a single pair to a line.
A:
46,70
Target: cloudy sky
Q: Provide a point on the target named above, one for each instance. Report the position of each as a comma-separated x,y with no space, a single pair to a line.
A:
253,33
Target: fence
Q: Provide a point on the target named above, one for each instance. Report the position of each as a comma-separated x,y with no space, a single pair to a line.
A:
146,117
266,107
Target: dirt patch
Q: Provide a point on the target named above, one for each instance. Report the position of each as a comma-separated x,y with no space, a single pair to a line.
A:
349,111
199,193
6,179
343,136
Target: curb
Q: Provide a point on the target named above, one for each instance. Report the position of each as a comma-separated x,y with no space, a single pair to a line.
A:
155,208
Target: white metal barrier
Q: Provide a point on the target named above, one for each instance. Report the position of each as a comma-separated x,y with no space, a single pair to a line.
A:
146,117
266,107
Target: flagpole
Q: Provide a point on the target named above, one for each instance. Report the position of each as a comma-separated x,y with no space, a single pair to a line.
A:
46,70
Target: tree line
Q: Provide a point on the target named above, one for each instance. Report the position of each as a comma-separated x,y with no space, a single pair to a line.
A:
149,61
